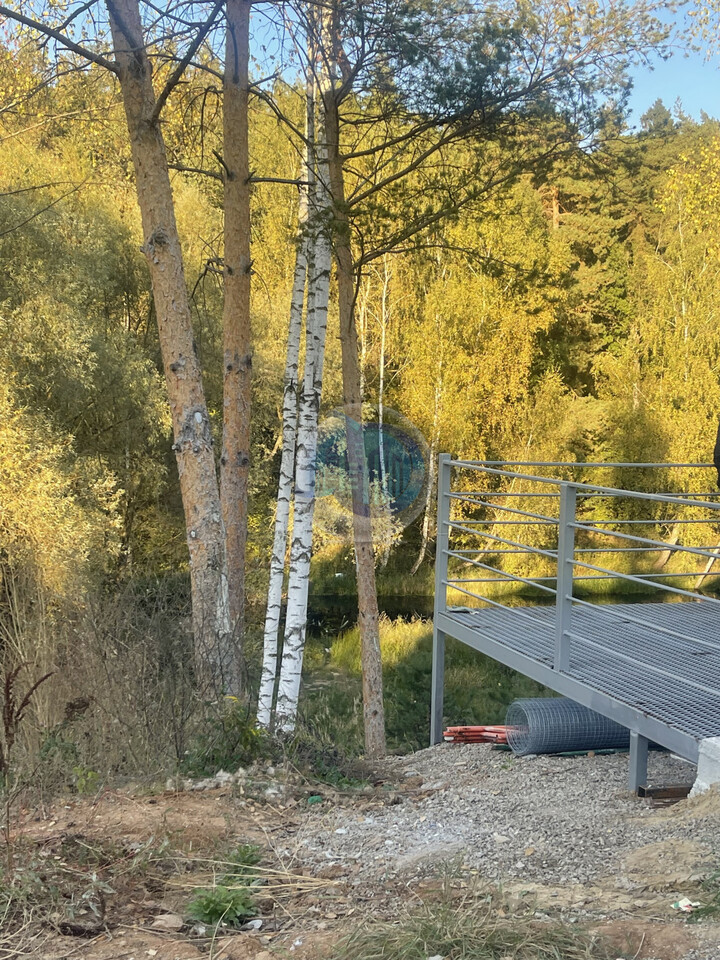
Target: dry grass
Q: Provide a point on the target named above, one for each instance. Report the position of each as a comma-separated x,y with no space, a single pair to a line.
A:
472,926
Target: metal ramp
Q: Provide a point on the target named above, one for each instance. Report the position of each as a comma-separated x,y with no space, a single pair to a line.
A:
572,545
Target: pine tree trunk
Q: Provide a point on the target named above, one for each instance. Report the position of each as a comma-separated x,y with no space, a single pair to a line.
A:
368,615
193,446
237,358
287,461
306,456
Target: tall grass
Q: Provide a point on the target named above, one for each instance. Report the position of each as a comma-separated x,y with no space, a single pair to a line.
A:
469,927
477,689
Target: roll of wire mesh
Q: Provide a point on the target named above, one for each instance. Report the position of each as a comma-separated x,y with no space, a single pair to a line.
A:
557,725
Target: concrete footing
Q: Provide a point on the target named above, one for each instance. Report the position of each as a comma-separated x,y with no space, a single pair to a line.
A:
708,770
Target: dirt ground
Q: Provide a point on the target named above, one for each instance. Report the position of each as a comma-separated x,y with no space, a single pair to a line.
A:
128,864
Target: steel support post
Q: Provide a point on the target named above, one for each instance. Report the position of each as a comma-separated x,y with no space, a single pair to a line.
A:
565,557
441,572
638,761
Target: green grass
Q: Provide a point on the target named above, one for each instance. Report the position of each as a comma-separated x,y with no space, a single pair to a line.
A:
710,900
477,689
469,927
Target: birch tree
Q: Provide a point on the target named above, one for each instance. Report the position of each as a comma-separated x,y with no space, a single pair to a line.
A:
319,265
428,78
304,254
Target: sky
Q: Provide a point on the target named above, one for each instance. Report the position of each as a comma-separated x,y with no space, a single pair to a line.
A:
689,77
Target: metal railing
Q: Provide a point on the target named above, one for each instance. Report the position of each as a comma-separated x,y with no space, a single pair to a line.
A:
529,537
599,580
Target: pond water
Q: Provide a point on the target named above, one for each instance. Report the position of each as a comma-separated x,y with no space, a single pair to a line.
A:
329,615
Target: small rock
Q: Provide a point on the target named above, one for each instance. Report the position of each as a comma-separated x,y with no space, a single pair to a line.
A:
168,923
223,777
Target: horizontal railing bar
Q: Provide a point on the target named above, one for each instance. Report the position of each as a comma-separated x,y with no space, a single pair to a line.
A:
514,523
567,463
640,579
493,550
518,611
672,547
607,610
510,543
582,487
467,494
463,494
666,520
504,576
644,664
628,549
515,510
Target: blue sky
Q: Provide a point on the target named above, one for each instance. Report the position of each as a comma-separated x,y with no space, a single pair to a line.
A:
690,77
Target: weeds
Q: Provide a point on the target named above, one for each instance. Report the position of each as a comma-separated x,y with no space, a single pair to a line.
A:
471,927
222,905
477,689
710,909
14,707
225,741
64,883
231,901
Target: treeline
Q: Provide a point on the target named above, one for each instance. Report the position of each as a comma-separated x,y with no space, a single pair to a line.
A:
569,313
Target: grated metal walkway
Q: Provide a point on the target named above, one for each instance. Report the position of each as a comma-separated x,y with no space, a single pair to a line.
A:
671,678
652,667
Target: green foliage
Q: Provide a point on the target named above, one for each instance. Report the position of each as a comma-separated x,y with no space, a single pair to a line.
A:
710,903
239,863
225,740
477,689
222,906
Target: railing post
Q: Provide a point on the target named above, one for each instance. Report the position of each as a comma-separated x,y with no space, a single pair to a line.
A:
440,606
565,557
637,774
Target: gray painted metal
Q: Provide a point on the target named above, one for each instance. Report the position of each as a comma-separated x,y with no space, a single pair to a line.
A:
638,761
556,724
441,573
654,668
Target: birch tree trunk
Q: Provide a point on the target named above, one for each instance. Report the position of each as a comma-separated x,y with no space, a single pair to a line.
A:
193,446
237,359
368,615
306,456
289,434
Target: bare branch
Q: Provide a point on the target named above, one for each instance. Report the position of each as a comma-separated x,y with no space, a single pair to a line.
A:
60,38
205,173
38,213
174,79
296,183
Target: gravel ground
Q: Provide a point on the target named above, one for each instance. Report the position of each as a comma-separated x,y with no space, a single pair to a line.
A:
562,833
550,819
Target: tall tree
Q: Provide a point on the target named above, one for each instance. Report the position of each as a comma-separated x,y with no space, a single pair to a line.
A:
215,655
428,78
237,358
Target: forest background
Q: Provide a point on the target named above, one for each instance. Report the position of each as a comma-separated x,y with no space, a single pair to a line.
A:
568,314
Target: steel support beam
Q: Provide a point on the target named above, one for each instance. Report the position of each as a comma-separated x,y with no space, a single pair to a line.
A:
441,573
565,558
637,775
